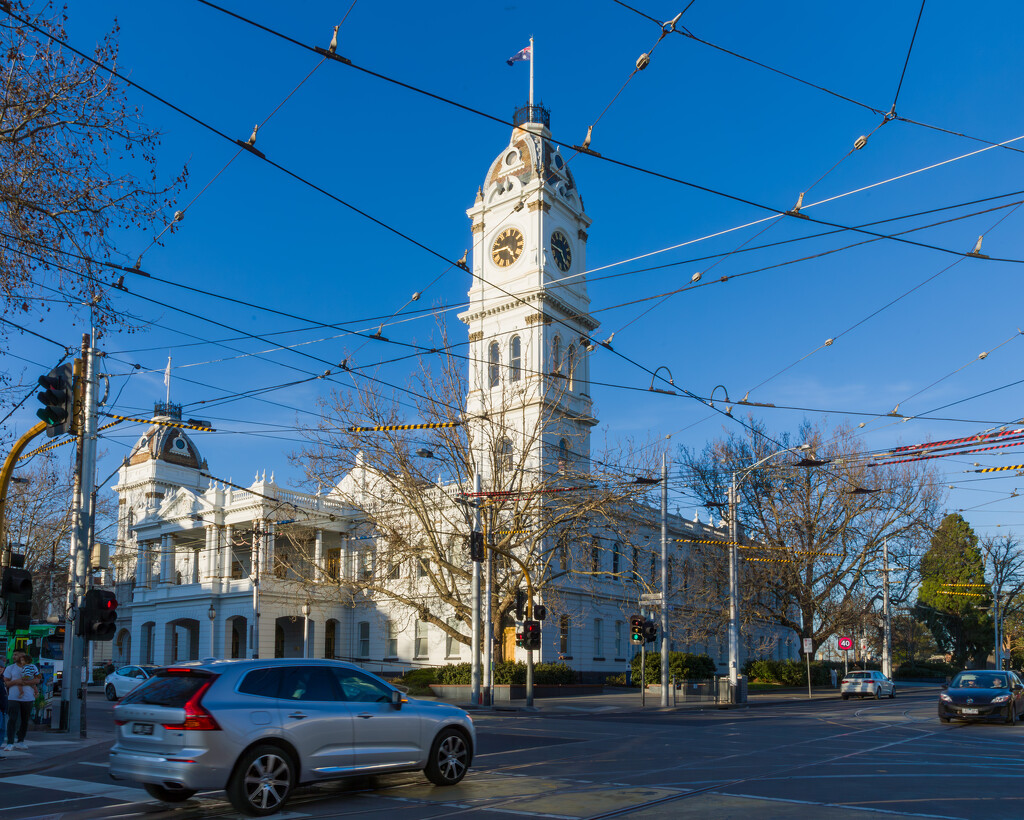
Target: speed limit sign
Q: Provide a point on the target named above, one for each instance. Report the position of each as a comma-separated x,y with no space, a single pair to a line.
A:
845,644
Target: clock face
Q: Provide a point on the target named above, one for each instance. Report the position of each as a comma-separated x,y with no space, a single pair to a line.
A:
561,251
507,247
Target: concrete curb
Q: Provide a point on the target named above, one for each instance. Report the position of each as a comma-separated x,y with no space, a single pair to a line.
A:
16,763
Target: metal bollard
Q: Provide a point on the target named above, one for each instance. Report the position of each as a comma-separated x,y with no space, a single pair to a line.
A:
673,682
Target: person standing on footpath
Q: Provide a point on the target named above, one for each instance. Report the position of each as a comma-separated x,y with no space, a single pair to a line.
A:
20,684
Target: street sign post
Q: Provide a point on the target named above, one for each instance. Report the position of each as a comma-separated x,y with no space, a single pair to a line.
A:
845,645
808,651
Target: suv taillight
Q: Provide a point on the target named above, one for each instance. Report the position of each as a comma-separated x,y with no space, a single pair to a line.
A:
197,719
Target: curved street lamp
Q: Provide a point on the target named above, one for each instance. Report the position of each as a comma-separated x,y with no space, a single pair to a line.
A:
738,477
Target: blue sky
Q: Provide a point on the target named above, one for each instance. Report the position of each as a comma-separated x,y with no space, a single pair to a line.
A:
696,118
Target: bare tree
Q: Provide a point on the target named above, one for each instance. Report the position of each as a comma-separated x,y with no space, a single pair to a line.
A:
1004,558
68,138
540,514
39,526
815,533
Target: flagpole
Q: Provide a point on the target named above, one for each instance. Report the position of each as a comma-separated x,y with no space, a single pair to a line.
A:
531,77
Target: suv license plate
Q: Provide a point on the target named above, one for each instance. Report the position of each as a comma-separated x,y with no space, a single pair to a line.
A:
142,728
969,711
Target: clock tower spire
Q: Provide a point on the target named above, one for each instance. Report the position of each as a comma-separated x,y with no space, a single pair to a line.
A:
528,317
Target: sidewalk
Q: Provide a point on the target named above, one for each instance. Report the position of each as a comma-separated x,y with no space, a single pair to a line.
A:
628,700
47,748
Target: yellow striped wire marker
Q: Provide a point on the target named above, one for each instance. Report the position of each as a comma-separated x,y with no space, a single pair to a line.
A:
984,586
967,594
997,469
178,424
386,427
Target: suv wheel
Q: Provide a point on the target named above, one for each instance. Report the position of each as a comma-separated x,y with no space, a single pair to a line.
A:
878,692
262,781
167,795
449,758
111,692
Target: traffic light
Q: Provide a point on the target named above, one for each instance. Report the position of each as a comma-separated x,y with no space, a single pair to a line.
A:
97,618
19,615
58,399
16,591
519,637
540,612
476,546
531,634
650,632
636,629
520,604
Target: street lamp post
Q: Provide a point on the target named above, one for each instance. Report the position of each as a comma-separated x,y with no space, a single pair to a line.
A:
211,613
305,629
738,477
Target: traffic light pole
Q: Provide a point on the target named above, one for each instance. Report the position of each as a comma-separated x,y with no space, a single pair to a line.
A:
5,482
475,592
73,690
664,581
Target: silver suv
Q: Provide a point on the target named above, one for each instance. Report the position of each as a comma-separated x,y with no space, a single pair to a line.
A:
259,728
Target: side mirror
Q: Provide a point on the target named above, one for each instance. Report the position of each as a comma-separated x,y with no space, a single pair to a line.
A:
396,698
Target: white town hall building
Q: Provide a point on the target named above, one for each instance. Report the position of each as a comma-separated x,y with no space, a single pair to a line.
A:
202,568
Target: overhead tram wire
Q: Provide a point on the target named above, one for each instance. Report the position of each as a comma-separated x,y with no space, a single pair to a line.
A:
689,35
346,204
620,163
339,200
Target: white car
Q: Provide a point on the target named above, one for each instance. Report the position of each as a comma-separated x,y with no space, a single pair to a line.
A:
867,684
120,682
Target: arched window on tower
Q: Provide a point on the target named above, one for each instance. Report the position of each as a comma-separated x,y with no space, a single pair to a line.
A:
493,364
556,355
570,366
563,455
515,359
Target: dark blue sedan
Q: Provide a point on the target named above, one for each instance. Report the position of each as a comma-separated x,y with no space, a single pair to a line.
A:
982,695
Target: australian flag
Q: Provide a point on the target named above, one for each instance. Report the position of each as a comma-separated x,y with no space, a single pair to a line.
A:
520,55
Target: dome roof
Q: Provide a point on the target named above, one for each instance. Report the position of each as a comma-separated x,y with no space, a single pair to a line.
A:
527,155
167,444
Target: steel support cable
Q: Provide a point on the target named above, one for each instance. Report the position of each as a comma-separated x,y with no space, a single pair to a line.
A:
906,63
622,164
429,250
432,252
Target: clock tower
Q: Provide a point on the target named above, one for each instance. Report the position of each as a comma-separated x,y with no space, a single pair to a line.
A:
530,331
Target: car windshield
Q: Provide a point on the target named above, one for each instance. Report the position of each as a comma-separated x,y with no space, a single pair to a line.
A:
979,680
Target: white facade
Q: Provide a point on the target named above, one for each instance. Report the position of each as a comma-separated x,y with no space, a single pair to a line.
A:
207,569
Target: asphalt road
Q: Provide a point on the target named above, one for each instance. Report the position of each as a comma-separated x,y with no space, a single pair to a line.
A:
822,759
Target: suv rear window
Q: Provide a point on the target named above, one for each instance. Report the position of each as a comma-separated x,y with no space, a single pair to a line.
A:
167,689
859,675
263,682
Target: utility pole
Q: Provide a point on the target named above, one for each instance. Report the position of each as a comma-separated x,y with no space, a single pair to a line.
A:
257,548
488,630
475,592
886,616
73,690
734,625
664,580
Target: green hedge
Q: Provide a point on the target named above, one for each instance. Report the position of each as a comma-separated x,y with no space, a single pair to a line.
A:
508,672
794,672
924,669
683,665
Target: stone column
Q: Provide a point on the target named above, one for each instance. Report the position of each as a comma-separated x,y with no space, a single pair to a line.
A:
318,557
268,562
227,558
209,561
166,559
141,579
